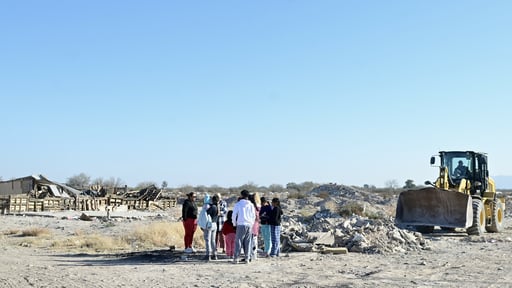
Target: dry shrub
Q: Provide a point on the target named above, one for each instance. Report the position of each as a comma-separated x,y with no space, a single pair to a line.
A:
352,208
155,234
91,242
100,242
324,195
11,232
296,195
306,213
330,205
35,232
165,234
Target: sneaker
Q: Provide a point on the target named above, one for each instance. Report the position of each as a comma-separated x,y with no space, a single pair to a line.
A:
235,261
188,250
193,250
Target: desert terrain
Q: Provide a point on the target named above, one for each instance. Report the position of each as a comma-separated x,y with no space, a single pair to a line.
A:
66,249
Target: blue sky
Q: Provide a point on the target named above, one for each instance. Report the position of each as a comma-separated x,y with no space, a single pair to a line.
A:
265,92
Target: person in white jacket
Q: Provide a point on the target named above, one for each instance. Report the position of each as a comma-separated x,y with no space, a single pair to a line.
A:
244,215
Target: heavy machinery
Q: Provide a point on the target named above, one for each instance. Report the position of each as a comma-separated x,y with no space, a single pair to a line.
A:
463,196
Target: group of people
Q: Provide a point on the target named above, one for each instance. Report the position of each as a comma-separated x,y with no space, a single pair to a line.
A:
234,230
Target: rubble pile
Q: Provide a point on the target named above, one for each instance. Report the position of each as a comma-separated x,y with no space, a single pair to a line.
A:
324,226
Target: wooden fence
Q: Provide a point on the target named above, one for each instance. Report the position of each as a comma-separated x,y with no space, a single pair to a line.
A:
22,203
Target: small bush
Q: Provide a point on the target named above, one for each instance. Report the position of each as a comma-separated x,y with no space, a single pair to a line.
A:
164,234
350,209
35,232
296,195
94,242
324,195
11,232
155,234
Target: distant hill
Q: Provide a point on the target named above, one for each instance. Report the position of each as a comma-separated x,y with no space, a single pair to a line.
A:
503,182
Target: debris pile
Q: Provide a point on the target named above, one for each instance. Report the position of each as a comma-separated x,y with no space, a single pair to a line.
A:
38,193
150,193
327,225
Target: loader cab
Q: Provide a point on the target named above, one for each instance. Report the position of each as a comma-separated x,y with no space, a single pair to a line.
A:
466,165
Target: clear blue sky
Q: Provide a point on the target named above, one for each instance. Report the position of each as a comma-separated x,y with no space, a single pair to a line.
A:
265,92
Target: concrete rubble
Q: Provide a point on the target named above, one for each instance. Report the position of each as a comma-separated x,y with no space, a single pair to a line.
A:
325,227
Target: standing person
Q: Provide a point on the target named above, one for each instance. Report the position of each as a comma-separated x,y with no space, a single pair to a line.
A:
265,211
223,209
211,231
253,249
275,227
244,216
229,235
189,216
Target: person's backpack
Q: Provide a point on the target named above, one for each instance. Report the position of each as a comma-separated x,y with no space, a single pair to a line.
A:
205,220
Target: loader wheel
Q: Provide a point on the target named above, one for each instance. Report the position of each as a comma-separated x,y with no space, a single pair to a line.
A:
478,226
498,215
425,229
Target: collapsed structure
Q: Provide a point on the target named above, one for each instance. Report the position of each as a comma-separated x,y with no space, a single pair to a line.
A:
37,193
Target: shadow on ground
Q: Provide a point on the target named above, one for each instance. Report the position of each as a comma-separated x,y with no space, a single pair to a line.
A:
152,257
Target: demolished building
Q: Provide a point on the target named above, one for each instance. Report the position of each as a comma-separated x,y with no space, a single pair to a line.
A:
37,193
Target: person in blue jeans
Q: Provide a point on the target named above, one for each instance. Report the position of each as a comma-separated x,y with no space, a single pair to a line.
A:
265,211
211,232
275,227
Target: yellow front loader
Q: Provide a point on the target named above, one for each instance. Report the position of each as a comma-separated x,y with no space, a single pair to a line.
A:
463,196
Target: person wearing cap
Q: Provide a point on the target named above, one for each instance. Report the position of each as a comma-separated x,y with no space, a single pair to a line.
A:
244,215
189,216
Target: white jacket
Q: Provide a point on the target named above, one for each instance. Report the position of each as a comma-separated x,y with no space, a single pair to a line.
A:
244,213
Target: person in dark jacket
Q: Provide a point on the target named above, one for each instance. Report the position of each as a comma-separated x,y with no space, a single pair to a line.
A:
189,216
265,211
275,227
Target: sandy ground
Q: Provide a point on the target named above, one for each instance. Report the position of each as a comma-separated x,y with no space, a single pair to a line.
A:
455,260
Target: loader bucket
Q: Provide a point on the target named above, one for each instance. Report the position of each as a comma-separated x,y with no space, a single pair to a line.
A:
434,207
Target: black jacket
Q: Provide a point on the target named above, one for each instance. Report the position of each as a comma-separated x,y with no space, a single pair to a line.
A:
275,216
213,212
189,210
265,214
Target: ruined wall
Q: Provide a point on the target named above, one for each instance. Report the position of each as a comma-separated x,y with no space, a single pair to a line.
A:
17,186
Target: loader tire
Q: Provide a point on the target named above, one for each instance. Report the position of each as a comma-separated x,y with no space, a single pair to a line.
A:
425,229
478,226
498,215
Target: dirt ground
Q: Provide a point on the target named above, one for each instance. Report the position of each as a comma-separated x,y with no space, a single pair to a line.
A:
454,260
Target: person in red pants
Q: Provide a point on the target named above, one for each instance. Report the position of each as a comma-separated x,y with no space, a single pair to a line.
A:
189,215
